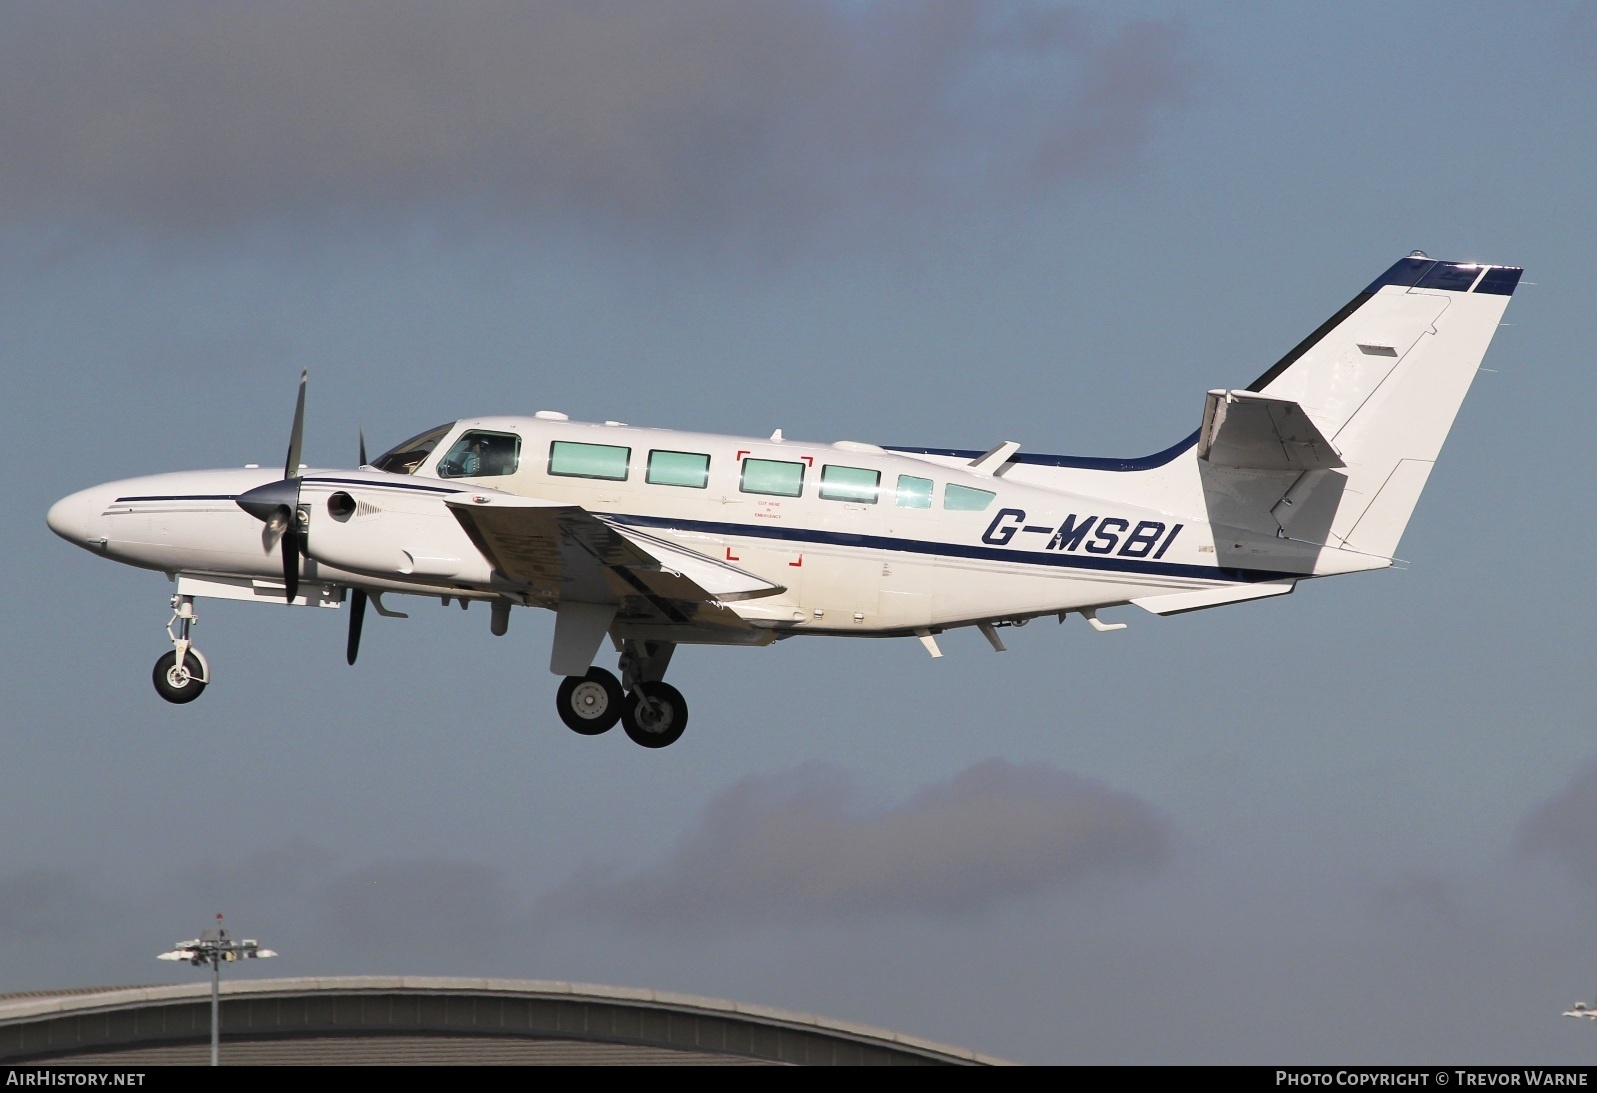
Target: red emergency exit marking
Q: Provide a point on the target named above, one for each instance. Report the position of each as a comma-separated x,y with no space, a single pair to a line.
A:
798,563
741,453
732,557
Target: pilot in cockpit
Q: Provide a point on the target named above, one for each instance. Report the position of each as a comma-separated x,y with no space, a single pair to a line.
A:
473,461
480,455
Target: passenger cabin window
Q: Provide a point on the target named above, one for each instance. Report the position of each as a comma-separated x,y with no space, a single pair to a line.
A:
571,460
678,469
481,455
405,458
773,476
913,493
966,499
850,484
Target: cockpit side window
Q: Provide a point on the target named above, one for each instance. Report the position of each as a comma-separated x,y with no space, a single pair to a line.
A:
481,455
405,458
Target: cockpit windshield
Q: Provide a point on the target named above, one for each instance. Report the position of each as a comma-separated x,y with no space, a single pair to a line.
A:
405,458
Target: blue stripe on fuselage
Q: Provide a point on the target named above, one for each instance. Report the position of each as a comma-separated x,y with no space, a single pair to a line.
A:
878,542
956,550
180,497
369,484
365,483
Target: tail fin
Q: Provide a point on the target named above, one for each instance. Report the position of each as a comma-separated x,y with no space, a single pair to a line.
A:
1359,409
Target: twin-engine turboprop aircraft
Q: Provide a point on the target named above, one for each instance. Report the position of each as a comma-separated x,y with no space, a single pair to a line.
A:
659,538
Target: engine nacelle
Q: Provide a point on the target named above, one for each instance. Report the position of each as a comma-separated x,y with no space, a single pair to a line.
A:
388,532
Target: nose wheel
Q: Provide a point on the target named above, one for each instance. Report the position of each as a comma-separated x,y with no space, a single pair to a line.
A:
181,675
179,684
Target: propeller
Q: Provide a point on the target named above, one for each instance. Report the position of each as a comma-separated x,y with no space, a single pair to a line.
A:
357,599
275,503
357,615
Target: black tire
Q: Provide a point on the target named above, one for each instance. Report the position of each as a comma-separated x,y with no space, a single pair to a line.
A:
590,704
175,686
657,717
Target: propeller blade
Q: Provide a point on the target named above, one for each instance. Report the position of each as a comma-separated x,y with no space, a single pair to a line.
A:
357,615
291,468
362,462
276,525
291,565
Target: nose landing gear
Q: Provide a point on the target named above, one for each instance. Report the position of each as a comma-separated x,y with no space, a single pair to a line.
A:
181,675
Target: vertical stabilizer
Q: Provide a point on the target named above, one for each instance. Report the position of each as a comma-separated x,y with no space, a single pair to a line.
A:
1382,381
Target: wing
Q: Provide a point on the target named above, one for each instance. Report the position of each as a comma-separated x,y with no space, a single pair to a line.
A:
564,553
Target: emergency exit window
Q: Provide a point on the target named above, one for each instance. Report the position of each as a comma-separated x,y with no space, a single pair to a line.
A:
774,476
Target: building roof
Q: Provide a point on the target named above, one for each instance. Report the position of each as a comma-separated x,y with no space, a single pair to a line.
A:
426,1019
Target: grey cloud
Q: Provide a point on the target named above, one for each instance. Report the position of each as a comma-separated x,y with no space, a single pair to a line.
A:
1561,828
1418,900
46,904
804,845
693,120
437,909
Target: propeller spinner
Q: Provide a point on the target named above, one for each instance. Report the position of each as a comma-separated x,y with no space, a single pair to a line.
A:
276,504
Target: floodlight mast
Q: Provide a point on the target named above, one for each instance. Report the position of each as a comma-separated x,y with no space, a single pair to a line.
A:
212,947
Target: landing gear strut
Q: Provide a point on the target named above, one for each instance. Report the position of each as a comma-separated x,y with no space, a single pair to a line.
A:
655,713
181,675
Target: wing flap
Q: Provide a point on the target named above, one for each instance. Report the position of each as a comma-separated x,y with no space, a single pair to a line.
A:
722,580
566,551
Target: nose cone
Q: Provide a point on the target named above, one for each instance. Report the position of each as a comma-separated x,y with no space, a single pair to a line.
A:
79,518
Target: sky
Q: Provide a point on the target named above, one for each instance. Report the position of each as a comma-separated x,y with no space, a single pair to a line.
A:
1351,825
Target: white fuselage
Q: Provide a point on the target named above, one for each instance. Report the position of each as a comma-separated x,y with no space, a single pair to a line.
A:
934,544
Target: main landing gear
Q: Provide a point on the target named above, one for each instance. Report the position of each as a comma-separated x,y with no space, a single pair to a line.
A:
651,712
182,674
590,704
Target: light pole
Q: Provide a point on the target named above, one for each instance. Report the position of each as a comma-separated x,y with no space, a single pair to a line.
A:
212,947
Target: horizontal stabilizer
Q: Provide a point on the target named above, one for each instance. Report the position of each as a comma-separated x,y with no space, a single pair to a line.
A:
1212,597
1243,429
